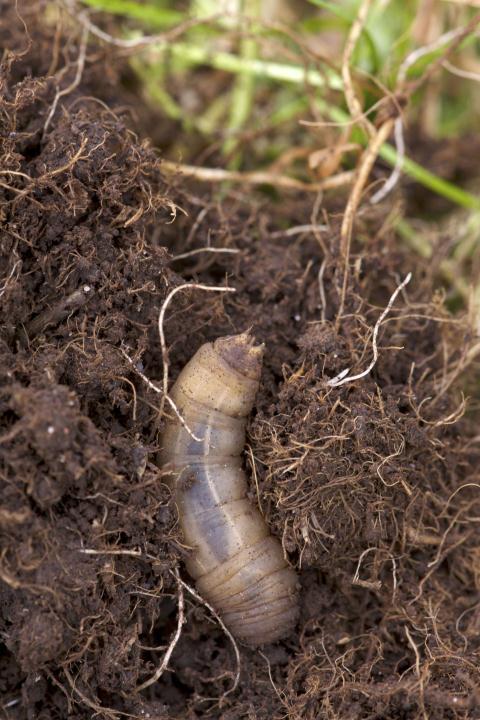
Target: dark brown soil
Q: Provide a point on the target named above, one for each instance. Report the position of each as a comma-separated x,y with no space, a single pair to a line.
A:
372,486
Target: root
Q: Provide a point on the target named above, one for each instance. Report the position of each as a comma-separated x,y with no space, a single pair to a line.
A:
156,389
74,84
225,630
100,709
454,37
180,621
163,345
191,253
164,390
340,379
418,671
396,174
10,275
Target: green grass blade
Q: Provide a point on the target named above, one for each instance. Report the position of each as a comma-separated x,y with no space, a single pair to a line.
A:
191,53
156,17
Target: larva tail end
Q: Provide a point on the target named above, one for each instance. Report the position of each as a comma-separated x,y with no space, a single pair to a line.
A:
241,354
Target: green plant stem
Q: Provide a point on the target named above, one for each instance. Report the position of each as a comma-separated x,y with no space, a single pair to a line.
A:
410,167
439,186
240,104
282,72
146,14
296,74
242,94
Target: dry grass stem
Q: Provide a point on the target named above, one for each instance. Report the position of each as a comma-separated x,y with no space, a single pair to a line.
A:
417,54
367,161
216,175
353,103
131,553
460,72
454,37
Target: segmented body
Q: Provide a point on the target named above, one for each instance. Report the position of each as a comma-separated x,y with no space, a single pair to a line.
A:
238,565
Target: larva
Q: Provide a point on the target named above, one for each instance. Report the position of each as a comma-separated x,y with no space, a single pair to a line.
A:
238,565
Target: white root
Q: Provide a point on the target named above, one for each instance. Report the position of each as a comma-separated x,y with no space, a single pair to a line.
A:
180,621
341,378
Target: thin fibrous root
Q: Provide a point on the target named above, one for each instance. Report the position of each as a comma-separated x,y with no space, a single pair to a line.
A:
180,621
342,378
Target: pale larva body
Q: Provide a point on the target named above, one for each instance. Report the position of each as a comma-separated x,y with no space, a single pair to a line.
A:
238,565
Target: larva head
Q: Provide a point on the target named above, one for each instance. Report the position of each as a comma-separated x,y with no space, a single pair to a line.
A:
223,375
240,353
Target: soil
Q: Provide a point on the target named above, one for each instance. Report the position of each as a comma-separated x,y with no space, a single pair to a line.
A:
372,486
